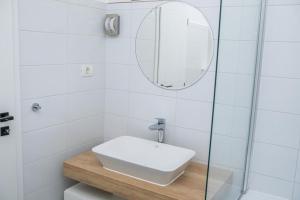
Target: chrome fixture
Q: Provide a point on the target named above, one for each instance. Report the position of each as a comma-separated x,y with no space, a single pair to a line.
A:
36,107
160,127
112,25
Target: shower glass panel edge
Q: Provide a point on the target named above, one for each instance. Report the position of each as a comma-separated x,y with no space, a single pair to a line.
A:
255,98
214,100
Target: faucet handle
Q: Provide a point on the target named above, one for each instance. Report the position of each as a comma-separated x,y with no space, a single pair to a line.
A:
160,120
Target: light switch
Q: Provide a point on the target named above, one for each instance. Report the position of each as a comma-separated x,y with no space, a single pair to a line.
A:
87,70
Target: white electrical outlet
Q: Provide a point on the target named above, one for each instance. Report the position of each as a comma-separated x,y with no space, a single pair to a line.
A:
87,70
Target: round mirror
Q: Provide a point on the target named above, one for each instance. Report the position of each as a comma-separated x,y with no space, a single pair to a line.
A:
174,45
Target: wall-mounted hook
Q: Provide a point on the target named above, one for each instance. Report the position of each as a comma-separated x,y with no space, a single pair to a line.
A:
36,107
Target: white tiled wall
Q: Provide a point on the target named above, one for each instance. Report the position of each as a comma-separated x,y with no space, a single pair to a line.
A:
276,160
132,102
56,38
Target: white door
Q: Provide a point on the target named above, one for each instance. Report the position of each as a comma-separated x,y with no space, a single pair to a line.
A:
8,144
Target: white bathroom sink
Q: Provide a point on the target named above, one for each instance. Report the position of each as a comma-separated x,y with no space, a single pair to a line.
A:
142,159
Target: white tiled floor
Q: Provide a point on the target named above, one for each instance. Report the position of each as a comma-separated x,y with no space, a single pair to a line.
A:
254,195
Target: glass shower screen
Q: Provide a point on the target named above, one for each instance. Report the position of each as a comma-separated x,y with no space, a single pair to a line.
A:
234,89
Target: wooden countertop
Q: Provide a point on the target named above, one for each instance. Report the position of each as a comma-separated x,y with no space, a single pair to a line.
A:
87,169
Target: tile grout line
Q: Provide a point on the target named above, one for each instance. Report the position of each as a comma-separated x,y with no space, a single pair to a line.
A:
273,177
128,95
66,122
277,145
67,34
69,3
277,111
148,120
67,94
295,174
266,76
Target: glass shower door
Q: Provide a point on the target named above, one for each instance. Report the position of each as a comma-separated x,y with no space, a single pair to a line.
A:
234,89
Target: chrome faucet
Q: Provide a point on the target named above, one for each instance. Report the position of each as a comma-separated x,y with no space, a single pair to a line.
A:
160,127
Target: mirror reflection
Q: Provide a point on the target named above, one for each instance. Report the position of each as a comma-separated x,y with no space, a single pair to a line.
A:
174,45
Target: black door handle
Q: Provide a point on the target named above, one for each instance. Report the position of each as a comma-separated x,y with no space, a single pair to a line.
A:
4,117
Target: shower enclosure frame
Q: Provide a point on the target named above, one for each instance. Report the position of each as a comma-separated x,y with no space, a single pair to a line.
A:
255,96
257,78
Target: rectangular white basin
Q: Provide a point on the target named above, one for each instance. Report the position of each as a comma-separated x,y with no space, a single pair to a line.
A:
142,159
